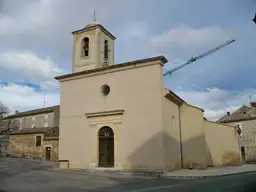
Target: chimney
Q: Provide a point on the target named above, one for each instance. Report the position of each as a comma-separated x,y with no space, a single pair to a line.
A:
16,112
228,113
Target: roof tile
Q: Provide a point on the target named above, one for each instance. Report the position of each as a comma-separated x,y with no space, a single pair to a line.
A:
240,114
34,112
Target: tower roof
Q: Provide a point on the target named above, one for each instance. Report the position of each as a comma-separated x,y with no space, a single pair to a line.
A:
92,26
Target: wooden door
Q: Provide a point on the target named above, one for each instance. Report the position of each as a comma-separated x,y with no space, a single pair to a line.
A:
48,153
106,147
102,153
110,152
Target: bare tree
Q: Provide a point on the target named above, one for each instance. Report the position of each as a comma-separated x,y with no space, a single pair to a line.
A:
6,125
4,110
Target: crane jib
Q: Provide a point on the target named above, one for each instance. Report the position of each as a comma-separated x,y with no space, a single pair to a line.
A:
193,59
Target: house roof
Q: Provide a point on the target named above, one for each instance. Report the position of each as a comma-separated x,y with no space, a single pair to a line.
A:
49,132
34,112
177,100
30,130
141,61
94,26
242,114
173,97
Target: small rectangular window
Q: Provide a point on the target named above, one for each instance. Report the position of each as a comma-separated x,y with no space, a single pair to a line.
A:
38,141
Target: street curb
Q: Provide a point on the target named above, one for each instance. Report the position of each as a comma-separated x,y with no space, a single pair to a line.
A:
205,176
154,174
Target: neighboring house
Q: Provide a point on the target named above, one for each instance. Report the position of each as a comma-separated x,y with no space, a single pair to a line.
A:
245,118
120,116
37,133
35,143
43,117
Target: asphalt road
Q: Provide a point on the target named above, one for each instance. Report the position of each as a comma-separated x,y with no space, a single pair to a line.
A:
22,175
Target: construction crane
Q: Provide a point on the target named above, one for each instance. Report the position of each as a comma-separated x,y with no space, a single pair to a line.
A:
193,59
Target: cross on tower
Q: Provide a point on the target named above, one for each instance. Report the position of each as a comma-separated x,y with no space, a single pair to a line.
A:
94,17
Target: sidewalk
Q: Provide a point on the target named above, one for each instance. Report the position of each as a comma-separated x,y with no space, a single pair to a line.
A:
210,172
177,174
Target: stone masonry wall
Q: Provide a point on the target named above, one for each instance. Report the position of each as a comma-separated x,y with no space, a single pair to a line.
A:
248,139
4,143
54,144
41,120
25,145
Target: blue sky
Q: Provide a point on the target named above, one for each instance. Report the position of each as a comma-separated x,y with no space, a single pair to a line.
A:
36,45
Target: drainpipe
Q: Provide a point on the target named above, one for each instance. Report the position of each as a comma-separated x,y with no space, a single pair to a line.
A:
180,132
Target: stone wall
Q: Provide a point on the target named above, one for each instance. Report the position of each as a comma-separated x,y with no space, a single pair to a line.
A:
56,120
54,144
4,143
248,138
25,145
41,120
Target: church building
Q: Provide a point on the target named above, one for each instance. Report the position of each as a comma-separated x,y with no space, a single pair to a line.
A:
120,116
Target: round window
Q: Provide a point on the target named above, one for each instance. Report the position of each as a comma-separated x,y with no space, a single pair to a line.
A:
105,90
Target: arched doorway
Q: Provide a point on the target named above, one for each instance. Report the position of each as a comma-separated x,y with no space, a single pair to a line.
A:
106,147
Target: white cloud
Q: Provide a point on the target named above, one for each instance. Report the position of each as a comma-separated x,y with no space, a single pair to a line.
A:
217,114
186,36
216,102
47,18
185,41
30,64
33,17
21,98
33,68
50,85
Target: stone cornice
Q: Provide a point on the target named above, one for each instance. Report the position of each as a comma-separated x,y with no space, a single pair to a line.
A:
104,113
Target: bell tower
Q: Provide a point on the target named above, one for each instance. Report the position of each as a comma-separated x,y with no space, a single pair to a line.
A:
93,47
